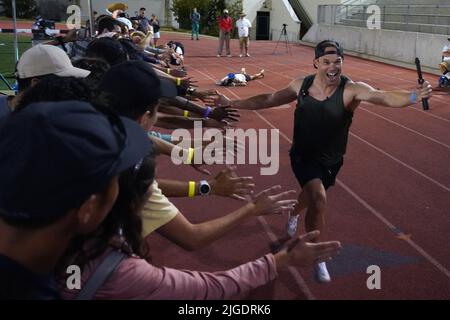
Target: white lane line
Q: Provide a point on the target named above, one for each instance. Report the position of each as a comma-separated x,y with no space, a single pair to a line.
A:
406,128
423,175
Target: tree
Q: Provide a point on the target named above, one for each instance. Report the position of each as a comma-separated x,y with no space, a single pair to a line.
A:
24,8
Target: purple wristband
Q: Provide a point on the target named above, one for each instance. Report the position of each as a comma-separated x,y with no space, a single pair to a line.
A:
207,112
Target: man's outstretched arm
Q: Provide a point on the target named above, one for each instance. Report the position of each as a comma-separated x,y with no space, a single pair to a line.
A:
393,98
263,101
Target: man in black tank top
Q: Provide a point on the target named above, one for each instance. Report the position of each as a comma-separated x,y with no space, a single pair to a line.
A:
325,105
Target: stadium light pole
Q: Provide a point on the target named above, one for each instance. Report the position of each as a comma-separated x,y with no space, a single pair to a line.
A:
16,47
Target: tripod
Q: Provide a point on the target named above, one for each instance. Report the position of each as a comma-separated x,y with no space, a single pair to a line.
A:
286,40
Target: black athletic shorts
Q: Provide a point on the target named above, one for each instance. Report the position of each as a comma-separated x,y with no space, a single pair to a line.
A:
306,170
247,77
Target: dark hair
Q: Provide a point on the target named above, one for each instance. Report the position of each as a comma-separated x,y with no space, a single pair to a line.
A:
25,83
107,49
51,89
107,22
125,216
96,66
131,49
142,9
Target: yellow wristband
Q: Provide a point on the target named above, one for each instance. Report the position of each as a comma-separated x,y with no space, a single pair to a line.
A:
186,114
191,192
168,71
190,156
178,81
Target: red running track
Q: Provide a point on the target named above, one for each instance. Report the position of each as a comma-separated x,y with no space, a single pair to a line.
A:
390,206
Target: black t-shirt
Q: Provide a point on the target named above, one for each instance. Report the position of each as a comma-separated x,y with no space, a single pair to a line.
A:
19,283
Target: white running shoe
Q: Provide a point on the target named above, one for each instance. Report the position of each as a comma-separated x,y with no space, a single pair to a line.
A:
292,223
321,274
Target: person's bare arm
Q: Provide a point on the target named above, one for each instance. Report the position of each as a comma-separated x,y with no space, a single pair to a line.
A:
195,236
264,101
361,91
226,184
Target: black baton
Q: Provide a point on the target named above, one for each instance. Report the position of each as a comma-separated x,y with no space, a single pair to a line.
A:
425,105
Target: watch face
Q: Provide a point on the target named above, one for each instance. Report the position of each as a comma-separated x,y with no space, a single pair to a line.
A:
204,189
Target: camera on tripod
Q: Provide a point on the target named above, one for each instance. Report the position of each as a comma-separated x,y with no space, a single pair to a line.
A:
284,25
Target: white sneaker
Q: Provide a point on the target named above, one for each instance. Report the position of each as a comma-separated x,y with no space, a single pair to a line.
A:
240,56
291,227
321,274
247,55
218,56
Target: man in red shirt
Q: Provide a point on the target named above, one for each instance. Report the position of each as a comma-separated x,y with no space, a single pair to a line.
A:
225,26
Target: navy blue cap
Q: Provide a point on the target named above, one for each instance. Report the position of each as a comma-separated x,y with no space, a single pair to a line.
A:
54,155
136,83
321,47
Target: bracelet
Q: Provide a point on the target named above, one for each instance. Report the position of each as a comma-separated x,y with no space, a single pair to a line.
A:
207,112
178,81
191,192
190,156
186,114
413,97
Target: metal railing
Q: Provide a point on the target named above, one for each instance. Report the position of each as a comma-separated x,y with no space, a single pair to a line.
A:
415,18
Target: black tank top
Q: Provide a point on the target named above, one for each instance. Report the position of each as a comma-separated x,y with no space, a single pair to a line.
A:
321,127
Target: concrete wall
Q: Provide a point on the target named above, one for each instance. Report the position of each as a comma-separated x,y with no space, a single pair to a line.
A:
311,6
279,15
387,44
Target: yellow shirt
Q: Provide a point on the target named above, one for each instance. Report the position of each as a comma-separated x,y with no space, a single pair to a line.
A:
157,211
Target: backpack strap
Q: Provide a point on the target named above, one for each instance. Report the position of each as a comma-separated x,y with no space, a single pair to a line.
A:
101,273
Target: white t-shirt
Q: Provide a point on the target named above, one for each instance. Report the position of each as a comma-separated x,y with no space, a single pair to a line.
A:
446,48
243,25
240,77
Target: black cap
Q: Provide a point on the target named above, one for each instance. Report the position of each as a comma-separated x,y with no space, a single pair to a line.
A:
321,46
54,155
135,82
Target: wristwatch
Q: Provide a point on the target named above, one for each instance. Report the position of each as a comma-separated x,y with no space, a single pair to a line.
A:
204,188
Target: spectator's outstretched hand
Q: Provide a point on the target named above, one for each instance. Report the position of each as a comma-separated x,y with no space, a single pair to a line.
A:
270,201
228,184
303,252
225,113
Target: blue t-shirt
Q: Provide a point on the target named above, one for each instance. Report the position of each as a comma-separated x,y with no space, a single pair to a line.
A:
19,283
4,108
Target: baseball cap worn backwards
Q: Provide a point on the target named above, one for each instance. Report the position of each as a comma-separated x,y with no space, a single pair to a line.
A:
328,47
54,155
44,59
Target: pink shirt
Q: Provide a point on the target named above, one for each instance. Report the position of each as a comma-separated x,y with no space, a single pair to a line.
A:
135,278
